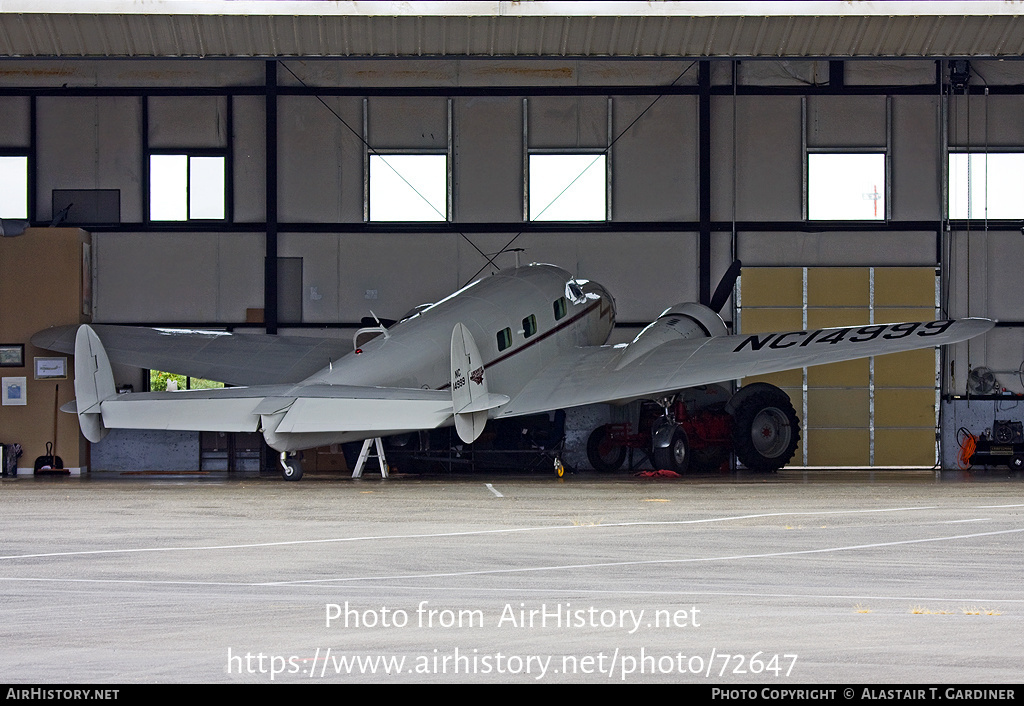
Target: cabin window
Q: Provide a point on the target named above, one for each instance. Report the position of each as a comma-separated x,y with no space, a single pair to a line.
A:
504,338
560,308
529,326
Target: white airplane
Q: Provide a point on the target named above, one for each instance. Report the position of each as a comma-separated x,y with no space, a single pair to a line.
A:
521,341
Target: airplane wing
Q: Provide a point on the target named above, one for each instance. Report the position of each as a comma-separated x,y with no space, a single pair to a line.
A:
235,359
596,374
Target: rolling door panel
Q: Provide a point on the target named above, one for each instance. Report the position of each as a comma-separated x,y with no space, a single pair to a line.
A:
774,287
838,447
879,411
904,407
852,373
910,369
830,287
905,447
837,408
905,287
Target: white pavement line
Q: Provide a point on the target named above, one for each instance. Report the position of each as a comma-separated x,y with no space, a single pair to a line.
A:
469,533
648,562
545,591
986,507
491,488
146,582
976,519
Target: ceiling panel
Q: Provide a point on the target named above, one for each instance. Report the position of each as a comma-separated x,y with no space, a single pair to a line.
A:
526,29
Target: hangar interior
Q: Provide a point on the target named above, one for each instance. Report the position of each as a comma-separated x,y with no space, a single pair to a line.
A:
242,184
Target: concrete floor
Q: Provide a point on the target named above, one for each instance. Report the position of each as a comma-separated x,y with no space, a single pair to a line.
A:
809,577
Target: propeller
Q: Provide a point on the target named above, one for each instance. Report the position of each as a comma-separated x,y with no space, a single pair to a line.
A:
374,321
724,289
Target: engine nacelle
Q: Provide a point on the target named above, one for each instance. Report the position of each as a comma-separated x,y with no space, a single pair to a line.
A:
679,322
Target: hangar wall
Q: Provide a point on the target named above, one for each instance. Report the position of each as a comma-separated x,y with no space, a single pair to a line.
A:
93,124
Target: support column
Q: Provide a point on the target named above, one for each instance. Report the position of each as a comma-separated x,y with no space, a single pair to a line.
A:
270,263
704,180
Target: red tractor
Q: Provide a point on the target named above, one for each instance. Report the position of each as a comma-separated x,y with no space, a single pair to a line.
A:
698,428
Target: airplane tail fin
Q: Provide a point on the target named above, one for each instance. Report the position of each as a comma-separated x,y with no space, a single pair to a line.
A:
470,398
94,382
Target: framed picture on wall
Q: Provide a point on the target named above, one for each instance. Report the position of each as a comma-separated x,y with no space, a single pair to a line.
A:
13,391
51,368
12,355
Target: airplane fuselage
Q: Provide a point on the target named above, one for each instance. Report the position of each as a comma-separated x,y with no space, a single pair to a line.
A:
497,310
521,320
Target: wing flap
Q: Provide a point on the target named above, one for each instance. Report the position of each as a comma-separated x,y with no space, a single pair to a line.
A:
184,414
320,414
590,375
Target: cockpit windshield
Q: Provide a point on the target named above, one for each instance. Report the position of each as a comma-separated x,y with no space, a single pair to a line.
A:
574,291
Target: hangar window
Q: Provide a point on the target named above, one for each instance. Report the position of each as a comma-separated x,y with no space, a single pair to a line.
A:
160,381
187,187
845,186
408,187
14,187
568,187
986,185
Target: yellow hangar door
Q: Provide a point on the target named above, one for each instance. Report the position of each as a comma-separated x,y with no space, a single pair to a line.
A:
879,411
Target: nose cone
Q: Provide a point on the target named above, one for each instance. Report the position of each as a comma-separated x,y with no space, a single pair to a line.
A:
604,294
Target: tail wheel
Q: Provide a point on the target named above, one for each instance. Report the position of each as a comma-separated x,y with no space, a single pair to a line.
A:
603,453
675,456
766,431
291,467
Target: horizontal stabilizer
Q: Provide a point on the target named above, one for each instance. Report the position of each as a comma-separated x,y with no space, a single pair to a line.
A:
319,414
183,412
484,403
306,409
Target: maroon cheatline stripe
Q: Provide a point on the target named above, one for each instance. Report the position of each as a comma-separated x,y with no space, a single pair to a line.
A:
538,339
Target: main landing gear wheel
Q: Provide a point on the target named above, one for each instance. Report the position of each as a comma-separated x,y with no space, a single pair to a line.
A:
766,430
291,467
603,453
675,456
